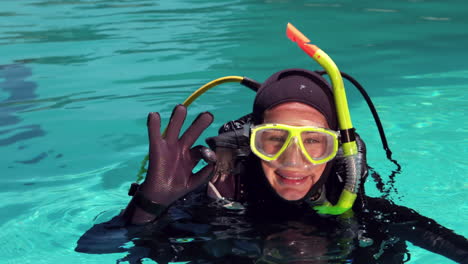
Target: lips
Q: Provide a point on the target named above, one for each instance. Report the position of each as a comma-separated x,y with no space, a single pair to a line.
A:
291,177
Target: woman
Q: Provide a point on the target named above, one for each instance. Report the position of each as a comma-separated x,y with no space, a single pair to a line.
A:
280,162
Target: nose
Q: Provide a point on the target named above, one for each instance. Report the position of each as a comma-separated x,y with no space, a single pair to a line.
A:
292,155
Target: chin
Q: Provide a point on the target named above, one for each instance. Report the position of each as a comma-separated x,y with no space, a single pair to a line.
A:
292,195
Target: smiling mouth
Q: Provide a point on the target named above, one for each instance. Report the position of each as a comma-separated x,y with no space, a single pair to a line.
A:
291,178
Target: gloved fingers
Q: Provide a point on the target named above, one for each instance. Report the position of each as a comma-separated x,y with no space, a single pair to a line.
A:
154,127
202,121
201,152
175,123
202,176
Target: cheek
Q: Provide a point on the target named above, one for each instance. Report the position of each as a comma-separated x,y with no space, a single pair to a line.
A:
317,171
267,170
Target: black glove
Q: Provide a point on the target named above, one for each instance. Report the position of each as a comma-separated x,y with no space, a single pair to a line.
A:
171,161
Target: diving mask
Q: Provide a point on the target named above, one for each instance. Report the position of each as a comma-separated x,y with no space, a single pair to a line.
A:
293,146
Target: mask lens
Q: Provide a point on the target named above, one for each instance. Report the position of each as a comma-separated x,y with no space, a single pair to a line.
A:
318,145
271,141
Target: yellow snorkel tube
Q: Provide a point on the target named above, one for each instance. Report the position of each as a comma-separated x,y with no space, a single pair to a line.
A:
350,150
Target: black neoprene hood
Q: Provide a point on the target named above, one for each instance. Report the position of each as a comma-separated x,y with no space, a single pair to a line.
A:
296,85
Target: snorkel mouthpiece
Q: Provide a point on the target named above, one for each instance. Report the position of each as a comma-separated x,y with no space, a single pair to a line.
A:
348,195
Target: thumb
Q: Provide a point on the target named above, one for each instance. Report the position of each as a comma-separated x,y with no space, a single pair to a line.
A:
208,155
202,152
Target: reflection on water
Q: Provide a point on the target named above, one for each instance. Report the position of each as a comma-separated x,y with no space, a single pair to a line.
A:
18,89
213,234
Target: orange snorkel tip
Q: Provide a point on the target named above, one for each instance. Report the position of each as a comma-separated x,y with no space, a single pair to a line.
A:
295,35
302,41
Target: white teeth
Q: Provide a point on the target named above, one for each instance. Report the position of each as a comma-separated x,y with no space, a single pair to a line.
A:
292,178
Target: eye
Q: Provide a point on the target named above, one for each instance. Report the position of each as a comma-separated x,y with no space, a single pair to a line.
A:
311,141
277,138
312,138
274,136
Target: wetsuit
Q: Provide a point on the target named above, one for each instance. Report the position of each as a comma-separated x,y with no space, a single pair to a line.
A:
269,229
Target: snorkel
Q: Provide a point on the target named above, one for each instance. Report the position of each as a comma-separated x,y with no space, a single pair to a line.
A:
348,139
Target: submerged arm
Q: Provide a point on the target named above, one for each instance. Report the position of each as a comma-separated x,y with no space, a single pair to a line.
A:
420,230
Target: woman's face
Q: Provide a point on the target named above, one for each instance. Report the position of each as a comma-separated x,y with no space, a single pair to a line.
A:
293,183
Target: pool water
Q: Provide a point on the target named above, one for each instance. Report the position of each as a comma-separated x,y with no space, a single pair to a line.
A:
77,79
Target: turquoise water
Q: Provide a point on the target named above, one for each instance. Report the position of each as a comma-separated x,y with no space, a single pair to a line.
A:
77,79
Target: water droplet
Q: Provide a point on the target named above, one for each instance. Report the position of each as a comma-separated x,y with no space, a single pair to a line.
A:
365,242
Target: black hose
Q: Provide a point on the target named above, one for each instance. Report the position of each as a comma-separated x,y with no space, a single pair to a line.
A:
374,114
